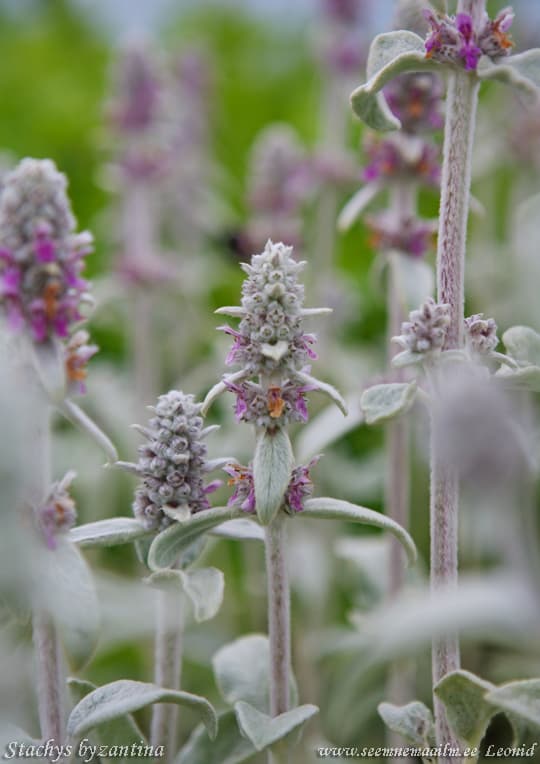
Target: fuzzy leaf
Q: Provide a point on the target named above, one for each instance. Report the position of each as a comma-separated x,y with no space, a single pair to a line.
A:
116,530
383,402
521,71
334,509
241,672
414,722
125,696
468,712
390,54
407,358
239,530
229,747
77,416
66,591
356,205
325,388
231,310
203,586
170,543
123,730
263,730
527,378
523,344
272,467
521,699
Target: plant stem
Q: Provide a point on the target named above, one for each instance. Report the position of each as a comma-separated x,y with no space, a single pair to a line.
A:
461,102
278,615
167,670
49,664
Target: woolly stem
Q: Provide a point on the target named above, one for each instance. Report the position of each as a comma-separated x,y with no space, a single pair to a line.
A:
278,615
50,680
167,671
279,627
461,102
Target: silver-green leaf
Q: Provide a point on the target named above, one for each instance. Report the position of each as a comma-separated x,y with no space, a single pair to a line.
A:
116,530
125,696
523,344
170,543
121,731
414,722
390,54
468,713
80,419
241,529
263,730
241,672
203,586
526,378
335,509
272,467
383,402
521,71
229,747
520,699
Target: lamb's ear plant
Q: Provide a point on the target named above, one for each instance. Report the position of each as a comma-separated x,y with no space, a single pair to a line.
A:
42,300
273,351
470,47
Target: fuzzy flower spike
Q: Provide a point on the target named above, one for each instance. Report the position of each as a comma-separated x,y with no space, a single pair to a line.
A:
172,463
271,346
41,256
462,39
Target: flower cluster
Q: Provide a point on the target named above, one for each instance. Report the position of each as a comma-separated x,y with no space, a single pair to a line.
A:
41,256
425,331
58,513
270,345
270,337
286,402
462,40
77,353
300,487
341,43
411,236
481,334
415,98
172,463
396,158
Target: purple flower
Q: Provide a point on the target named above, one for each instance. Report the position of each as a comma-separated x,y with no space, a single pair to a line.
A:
77,354
416,98
241,478
41,257
58,513
462,39
401,156
138,92
301,487
271,407
413,236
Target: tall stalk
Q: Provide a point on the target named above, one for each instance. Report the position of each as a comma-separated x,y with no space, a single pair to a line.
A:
167,672
461,102
47,649
279,626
